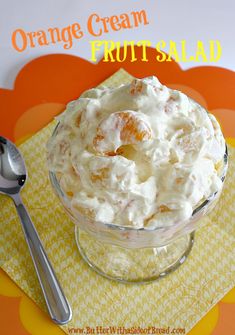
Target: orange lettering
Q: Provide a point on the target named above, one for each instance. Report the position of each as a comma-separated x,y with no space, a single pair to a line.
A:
23,36
125,24
31,36
66,36
51,32
139,17
114,23
76,30
90,24
42,38
105,20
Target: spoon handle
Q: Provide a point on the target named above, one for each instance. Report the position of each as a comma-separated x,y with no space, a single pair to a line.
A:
56,301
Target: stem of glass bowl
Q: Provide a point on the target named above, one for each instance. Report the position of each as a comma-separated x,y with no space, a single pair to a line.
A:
133,266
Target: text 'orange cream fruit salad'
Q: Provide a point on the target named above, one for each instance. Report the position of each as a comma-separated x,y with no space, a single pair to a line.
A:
140,155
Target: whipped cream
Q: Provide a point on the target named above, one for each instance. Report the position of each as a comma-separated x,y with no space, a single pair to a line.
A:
139,155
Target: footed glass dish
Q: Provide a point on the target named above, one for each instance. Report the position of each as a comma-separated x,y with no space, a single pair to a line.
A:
132,255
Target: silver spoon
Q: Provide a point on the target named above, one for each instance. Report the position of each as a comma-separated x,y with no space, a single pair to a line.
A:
13,175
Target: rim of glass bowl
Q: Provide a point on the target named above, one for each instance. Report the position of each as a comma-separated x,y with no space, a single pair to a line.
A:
56,185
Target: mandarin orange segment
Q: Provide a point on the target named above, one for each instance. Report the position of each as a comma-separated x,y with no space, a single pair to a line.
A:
133,128
163,209
179,180
128,125
136,87
100,175
98,138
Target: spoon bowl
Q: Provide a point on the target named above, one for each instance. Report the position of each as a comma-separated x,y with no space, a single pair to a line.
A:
13,172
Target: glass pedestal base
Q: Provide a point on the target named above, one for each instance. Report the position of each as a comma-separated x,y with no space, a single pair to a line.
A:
133,265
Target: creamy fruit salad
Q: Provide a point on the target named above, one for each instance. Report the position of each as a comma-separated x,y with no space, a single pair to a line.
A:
140,155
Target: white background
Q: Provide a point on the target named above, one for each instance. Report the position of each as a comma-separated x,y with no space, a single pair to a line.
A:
176,20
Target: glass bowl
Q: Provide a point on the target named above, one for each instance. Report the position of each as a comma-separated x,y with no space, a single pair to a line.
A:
136,255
